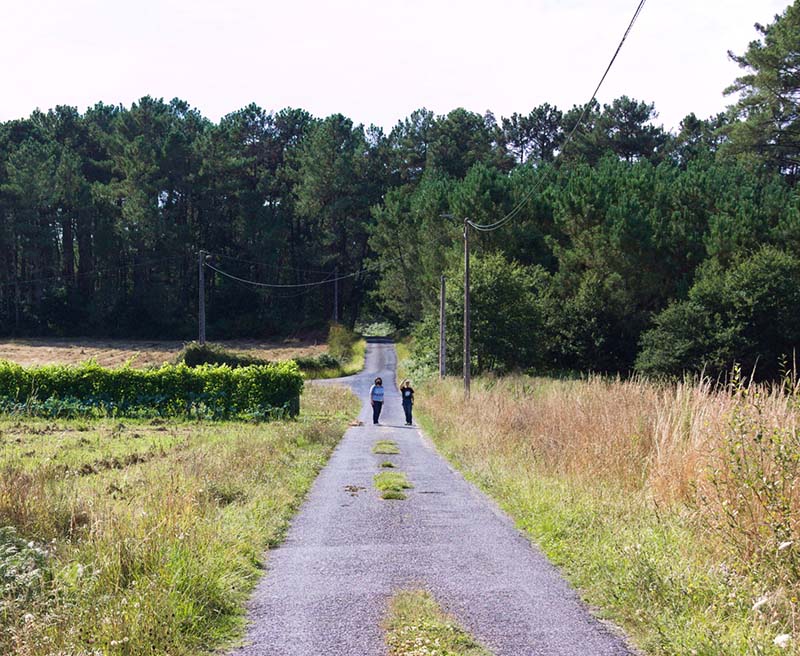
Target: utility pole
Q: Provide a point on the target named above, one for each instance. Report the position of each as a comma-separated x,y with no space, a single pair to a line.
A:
466,311
336,295
201,314
442,319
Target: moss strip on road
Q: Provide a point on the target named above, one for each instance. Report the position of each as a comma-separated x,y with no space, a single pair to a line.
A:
417,626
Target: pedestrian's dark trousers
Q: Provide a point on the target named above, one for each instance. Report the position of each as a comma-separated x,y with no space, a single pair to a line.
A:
407,408
376,411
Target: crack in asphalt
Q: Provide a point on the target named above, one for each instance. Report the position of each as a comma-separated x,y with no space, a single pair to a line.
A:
327,586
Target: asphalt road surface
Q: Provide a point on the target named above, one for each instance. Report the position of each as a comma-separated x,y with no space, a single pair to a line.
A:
326,587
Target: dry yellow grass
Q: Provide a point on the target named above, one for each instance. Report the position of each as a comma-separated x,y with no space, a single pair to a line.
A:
115,353
635,434
688,491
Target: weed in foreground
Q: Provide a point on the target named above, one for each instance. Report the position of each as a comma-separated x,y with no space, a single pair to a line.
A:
392,484
416,626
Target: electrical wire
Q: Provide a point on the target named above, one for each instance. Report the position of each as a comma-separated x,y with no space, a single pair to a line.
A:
277,267
518,208
273,285
331,279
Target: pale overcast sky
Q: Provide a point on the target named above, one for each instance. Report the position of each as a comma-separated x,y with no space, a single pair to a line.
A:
372,61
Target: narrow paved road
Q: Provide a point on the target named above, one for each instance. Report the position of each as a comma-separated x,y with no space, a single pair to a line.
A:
326,587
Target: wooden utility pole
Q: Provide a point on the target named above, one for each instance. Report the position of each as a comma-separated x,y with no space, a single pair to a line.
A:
201,314
442,319
466,311
336,295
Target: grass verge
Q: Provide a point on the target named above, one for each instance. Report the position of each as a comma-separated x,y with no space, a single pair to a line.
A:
403,350
392,484
350,367
417,626
152,554
672,509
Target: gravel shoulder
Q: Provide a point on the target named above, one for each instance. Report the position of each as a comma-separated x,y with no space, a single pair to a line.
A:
327,586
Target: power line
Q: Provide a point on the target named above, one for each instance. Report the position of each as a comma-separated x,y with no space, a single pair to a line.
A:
518,208
293,286
332,278
277,267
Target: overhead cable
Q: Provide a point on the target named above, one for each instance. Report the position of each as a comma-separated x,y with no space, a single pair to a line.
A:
277,267
518,208
332,278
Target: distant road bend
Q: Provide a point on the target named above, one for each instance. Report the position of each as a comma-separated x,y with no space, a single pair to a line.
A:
326,588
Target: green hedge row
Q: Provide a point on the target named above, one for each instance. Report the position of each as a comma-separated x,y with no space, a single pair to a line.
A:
216,392
194,355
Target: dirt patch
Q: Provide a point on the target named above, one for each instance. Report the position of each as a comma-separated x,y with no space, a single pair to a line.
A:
140,354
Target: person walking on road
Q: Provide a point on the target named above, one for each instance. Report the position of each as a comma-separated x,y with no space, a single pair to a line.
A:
407,395
376,399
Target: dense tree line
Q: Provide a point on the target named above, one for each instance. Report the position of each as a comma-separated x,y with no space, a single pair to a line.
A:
631,246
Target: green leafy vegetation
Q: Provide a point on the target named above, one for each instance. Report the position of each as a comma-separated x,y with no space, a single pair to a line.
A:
205,391
326,366
194,354
349,346
156,555
416,626
341,342
392,484
673,508
629,245
743,313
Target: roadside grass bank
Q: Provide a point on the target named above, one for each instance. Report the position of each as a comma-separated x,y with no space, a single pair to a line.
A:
351,365
675,509
416,626
138,537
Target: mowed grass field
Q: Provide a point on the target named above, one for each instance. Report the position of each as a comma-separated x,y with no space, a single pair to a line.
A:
140,354
145,537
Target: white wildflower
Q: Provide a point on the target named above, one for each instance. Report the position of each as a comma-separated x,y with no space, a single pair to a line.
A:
782,640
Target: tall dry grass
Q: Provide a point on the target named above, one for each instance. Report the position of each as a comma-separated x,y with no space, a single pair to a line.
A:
730,455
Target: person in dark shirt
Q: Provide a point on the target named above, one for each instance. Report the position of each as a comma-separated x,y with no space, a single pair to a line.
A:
407,395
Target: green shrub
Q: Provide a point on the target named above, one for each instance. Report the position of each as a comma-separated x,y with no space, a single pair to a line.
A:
745,313
210,391
506,319
194,354
323,361
341,341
